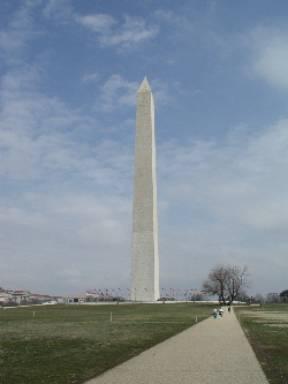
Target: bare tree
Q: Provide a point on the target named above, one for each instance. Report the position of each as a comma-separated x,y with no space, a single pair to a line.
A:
227,282
258,298
272,298
284,296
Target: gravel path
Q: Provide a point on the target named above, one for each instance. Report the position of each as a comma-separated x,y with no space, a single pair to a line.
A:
213,351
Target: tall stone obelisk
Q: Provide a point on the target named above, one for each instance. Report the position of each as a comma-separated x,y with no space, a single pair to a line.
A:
145,257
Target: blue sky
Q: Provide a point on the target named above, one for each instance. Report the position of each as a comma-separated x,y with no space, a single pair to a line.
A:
69,72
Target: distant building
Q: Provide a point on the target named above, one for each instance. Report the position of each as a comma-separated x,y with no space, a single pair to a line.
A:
38,298
76,299
23,297
5,298
92,295
20,296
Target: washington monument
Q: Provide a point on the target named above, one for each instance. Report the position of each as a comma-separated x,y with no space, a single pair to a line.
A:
145,257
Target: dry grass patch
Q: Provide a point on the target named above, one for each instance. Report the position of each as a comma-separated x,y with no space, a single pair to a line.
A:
267,331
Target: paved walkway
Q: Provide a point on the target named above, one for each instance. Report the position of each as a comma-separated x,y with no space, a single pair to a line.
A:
213,351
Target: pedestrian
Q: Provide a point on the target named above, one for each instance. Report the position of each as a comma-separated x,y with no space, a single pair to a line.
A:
229,308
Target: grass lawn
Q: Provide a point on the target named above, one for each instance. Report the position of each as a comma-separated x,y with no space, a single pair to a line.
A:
68,344
267,330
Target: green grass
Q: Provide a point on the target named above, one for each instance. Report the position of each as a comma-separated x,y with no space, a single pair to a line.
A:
267,330
70,344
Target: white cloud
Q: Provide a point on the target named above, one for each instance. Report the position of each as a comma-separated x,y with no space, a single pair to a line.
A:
91,77
66,239
238,180
163,93
174,18
270,56
117,91
97,23
74,195
132,31
111,32
60,10
19,31
38,134
230,201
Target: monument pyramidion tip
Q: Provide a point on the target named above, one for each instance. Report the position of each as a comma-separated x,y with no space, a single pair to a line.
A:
144,86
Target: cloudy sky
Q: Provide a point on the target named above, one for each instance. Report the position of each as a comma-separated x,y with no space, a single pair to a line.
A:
69,71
